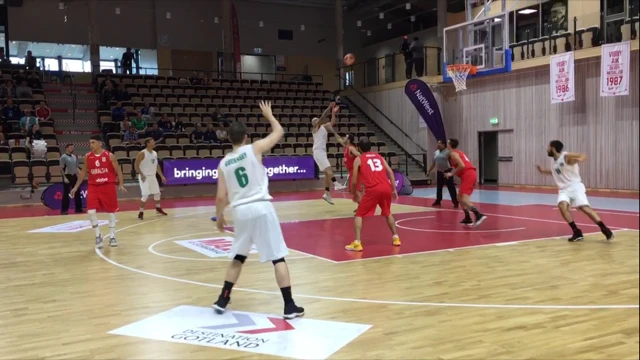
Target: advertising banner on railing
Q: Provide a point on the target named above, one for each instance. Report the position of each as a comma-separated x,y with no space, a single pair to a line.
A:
562,78
237,59
205,171
422,98
614,69
52,196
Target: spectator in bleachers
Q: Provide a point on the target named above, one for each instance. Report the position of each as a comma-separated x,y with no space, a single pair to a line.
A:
147,111
121,93
23,91
43,113
216,115
107,81
184,81
138,122
127,62
164,123
108,93
34,81
178,126
221,134
7,89
197,136
155,133
3,137
210,136
125,125
30,61
27,121
130,137
11,111
119,113
34,133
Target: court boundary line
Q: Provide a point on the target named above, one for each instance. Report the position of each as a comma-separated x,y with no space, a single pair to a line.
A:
630,213
385,302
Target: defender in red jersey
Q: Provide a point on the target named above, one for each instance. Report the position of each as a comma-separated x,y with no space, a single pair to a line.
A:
350,154
379,189
463,169
104,171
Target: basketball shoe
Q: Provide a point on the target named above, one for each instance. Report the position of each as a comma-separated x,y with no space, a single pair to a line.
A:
221,304
396,240
292,311
354,246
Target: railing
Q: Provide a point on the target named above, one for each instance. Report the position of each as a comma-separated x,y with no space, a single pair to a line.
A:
215,74
391,68
419,159
72,91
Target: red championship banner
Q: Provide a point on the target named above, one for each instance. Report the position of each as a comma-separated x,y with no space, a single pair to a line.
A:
614,69
562,78
236,41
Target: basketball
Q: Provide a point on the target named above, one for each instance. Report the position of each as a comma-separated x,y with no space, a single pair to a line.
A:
349,59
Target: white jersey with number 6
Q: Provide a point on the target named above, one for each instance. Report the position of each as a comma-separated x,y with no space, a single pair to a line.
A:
246,177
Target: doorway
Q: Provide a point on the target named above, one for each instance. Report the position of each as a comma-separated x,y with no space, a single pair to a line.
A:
488,150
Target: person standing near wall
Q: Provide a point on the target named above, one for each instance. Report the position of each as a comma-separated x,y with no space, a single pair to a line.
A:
69,168
417,49
441,163
405,49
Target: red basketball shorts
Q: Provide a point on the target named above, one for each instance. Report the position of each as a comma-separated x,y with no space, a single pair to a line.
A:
358,187
102,198
468,180
374,197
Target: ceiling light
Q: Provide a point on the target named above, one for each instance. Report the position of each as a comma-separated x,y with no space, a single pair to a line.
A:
368,32
413,18
408,6
68,54
527,11
260,23
389,26
359,23
61,5
381,15
301,27
117,11
497,20
216,20
168,15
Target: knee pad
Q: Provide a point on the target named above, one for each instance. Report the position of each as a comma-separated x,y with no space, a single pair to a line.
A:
240,258
144,198
278,261
156,197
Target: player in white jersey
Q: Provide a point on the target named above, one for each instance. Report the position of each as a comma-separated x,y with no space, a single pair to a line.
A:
244,186
320,135
566,173
146,167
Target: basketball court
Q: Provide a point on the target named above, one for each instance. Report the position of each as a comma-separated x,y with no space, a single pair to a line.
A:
512,286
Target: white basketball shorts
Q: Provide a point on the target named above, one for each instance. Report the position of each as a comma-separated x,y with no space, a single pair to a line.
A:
321,159
257,223
575,195
150,186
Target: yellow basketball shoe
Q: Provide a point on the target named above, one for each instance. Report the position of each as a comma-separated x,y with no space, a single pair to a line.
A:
354,246
396,240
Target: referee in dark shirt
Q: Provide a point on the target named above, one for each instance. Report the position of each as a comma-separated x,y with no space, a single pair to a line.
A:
69,166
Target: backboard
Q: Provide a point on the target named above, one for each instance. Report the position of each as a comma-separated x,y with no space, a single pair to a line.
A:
481,41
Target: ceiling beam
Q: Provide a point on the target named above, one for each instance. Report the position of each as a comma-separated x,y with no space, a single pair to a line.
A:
322,4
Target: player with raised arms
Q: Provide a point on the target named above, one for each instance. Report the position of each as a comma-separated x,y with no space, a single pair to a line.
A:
379,190
350,154
244,186
571,190
146,167
104,171
463,169
320,136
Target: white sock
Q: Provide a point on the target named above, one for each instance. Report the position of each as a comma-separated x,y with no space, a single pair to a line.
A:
158,205
93,218
141,209
112,225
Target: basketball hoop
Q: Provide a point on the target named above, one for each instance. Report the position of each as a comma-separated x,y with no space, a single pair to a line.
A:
458,73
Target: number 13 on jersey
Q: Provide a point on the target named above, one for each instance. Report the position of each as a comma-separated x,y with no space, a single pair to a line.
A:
375,164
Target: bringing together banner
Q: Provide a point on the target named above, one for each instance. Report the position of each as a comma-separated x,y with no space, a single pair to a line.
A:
614,69
205,171
562,78
422,98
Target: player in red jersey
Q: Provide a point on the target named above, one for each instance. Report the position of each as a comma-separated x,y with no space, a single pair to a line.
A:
379,189
468,178
104,171
350,154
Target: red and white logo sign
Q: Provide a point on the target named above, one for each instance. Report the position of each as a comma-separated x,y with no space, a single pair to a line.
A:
562,78
614,69
212,247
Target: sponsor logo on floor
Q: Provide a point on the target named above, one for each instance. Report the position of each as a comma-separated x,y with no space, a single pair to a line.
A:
212,247
69,227
301,338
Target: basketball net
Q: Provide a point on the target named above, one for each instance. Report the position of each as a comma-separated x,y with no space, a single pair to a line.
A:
459,73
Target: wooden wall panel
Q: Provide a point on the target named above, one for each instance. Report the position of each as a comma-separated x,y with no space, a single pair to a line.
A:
606,128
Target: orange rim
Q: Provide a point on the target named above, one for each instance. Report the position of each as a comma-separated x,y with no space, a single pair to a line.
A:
472,69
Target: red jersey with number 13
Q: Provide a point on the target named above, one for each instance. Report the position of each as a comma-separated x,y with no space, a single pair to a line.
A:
100,168
372,173
348,158
465,161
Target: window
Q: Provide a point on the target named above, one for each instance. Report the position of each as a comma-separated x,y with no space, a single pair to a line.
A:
614,7
51,64
613,31
554,17
285,34
72,65
528,21
108,65
16,60
348,78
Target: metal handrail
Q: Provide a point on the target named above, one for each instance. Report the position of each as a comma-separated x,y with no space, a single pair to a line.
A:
215,74
425,48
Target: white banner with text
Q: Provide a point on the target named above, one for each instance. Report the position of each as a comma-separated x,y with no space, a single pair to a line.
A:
614,69
562,78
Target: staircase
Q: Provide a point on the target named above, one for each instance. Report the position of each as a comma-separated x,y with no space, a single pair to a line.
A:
73,125
407,164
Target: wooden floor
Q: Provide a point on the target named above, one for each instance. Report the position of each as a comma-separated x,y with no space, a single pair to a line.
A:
59,299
